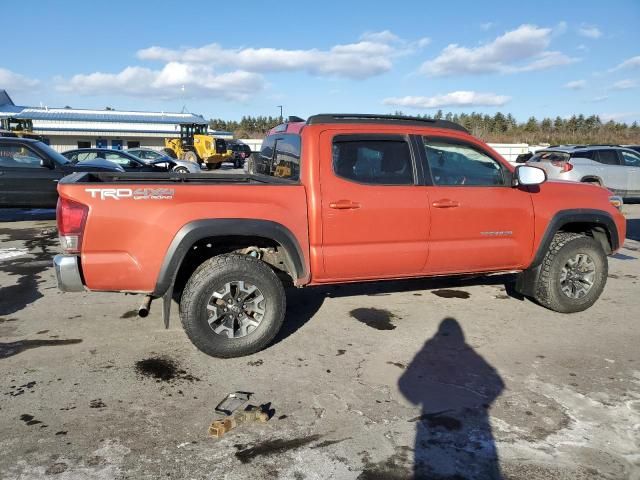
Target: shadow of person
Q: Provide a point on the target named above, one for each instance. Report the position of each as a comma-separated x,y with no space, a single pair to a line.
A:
455,387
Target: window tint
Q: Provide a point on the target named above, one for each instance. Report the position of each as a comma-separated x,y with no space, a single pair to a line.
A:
262,163
374,161
547,156
608,157
584,154
18,156
631,159
458,164
279,157
286,161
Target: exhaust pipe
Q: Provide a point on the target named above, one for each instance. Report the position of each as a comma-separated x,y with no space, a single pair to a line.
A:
145,307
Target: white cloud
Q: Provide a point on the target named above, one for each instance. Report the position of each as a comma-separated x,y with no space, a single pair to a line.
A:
576,84
487,26
625,84
589,31
372,55
519,50
630,63
459,98
15,82
600,98
167,82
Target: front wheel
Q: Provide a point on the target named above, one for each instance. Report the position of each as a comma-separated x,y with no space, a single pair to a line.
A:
181,170
233,305
573,273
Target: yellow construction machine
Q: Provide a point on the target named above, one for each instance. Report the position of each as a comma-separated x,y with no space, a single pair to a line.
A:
197,146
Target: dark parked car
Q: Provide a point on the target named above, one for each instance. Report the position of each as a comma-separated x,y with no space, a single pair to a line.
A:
30,171
241,152
125,160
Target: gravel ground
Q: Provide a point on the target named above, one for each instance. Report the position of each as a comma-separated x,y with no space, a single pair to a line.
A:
452,379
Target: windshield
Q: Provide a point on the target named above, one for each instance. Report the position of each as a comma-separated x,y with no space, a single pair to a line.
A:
548,156
55,156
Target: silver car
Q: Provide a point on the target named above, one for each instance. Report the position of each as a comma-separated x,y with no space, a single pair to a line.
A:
613,167
149,155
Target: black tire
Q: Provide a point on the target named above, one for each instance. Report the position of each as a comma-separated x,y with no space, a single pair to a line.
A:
181,170
212,275
565,246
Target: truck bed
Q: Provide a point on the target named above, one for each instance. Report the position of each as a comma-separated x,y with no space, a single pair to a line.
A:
134,217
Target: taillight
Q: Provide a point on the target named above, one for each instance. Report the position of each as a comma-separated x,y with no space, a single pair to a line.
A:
71,217
567,167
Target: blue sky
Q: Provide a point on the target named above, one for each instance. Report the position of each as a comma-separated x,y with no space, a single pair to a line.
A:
542,58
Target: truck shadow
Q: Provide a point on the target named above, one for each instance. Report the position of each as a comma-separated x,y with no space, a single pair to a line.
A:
633,229
303,304
26,214
454,387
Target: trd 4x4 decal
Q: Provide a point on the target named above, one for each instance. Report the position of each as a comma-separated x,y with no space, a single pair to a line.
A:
135,193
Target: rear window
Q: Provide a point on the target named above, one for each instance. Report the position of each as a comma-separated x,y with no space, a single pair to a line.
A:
279,157
548,156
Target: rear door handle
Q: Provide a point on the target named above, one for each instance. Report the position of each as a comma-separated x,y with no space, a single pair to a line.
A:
344,205
445,203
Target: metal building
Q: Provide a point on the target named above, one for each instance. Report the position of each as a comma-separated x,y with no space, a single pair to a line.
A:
68,128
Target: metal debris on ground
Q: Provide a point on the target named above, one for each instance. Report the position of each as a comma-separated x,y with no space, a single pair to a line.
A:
251,414
232,402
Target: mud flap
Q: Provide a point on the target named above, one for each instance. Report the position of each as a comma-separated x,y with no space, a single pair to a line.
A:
166,305
526,281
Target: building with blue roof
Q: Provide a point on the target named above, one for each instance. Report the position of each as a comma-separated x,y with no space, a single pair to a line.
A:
68,128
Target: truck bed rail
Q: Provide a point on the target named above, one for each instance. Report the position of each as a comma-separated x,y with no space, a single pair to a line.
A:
173,178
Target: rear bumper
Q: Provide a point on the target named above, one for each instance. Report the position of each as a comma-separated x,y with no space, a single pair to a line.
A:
68,273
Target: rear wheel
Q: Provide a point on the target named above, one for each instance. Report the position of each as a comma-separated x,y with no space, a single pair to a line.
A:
191,157
233,305
181,170
573,273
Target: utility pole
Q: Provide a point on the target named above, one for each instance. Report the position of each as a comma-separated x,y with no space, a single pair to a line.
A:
281,117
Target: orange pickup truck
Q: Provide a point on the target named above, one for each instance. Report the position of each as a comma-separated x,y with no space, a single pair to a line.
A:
336,198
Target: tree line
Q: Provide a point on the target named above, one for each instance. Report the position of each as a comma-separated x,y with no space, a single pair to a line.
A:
497,128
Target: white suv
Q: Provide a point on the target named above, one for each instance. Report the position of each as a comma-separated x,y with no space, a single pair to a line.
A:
613,167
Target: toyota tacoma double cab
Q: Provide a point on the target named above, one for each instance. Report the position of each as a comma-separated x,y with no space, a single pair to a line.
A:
336,198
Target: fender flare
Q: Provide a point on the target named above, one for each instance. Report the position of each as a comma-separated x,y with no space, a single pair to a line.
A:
598,218
224,227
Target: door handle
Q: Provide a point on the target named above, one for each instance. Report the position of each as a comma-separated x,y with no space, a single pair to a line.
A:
344,205
445,203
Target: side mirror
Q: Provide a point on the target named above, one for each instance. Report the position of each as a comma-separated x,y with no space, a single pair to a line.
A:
46,163
526,175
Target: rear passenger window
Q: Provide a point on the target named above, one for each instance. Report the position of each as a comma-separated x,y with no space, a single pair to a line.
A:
279,157
286,161
608,157
453,163
379,160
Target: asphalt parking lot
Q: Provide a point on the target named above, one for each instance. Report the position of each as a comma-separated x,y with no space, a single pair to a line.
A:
453,378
